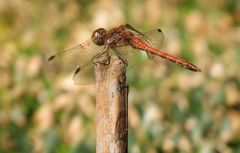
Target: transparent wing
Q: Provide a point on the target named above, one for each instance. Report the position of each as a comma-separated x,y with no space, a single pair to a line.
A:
134,57
154,38
74,60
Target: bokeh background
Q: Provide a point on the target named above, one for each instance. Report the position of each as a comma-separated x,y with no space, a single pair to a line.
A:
170,109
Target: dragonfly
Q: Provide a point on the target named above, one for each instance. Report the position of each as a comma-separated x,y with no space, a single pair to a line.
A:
117,40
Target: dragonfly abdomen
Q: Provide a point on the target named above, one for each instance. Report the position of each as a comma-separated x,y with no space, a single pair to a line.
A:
137,43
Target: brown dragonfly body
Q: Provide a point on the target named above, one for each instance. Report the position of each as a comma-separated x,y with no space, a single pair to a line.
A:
122,36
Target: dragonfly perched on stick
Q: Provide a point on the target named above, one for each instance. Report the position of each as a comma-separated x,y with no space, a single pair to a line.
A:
121,39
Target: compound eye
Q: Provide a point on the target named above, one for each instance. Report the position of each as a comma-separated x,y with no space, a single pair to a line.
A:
98,36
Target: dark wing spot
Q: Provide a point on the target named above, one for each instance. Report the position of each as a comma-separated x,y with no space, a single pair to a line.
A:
77,70
51,57
159,30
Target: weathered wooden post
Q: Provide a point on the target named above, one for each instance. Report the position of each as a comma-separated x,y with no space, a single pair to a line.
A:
111,107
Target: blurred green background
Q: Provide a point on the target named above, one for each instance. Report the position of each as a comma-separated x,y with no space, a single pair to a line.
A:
170,109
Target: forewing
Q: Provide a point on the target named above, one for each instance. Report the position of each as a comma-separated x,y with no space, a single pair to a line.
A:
73,60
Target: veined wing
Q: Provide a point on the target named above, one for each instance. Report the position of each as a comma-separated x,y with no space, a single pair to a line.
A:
74,59
154,38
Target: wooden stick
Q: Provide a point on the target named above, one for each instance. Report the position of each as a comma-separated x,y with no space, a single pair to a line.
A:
111,103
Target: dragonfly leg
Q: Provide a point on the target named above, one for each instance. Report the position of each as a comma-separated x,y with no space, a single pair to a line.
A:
120,56
102,58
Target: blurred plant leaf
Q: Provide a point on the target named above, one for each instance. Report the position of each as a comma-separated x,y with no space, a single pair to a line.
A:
195,101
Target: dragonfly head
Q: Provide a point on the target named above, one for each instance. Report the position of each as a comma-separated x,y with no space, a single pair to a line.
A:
98,36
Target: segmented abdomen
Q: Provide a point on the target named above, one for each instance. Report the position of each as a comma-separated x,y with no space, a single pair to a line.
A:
137,43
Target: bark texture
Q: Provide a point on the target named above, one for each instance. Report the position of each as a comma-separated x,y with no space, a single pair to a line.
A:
111,103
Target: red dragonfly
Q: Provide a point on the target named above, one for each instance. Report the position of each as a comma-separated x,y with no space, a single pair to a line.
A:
123,38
